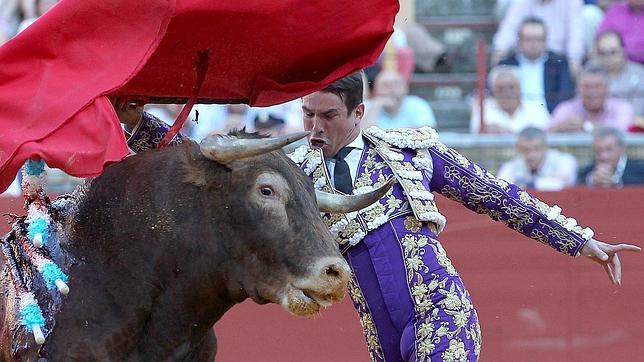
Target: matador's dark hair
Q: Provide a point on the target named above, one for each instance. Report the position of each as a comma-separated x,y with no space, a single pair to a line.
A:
349,89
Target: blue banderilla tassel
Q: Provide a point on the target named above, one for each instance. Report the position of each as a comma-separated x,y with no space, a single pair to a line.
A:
31,316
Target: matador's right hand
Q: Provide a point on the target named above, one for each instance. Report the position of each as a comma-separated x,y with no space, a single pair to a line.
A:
606,255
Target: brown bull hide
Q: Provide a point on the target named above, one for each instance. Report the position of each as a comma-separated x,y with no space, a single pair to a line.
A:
162,244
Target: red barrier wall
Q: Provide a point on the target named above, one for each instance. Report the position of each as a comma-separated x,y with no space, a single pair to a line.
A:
534,304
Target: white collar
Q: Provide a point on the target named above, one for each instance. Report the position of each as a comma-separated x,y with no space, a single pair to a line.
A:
539,61
621,165
357,143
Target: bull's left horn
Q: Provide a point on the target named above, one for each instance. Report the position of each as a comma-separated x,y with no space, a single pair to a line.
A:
225,149
336,204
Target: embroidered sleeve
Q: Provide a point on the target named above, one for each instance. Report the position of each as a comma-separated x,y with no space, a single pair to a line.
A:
148,133
463,181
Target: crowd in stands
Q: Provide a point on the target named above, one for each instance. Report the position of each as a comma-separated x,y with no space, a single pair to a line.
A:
556,66
597,88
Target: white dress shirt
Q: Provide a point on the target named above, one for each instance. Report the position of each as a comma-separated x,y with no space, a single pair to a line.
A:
532,88
352,159
557,171
563,19
528,114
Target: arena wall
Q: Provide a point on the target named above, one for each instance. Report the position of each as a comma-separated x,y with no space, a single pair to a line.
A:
534,305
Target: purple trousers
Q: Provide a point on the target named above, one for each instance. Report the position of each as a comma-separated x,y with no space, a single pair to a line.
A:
412,304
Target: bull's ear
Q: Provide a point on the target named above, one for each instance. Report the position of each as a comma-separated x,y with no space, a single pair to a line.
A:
195,176
192,168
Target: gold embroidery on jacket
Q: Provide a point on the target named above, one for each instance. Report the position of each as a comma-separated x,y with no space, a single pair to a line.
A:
349,229
453,301
366,321
490,195
409,177
412,224
566,242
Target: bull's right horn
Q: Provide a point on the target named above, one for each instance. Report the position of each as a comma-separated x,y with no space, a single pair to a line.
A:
225,149
337,204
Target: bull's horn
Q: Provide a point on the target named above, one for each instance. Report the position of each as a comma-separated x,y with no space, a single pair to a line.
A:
336,204
225,149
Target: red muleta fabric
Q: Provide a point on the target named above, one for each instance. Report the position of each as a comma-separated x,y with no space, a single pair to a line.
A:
57,75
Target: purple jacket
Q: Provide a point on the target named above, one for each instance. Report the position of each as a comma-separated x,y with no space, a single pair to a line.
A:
423,165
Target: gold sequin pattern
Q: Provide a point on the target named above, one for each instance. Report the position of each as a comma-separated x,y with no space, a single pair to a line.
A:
366,321
453,310
492,196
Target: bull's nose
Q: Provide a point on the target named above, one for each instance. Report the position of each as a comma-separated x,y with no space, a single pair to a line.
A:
335,271
326,281
332,271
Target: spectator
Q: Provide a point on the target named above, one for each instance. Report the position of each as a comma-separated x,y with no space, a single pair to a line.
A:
59,182
40,7
277,119
501,7
392,106
268,124
10,11
612,167
537,166
397,55
604,4
6,30
593,107
205,119
627,19
165,112
505,111
429,53
545,75
27,8
563,19
626,77
593,16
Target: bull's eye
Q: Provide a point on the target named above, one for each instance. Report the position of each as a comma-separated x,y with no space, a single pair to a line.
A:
266,191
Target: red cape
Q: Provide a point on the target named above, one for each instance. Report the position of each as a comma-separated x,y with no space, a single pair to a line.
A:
56,75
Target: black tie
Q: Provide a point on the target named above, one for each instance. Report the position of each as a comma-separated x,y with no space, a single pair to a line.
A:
533,176
341,174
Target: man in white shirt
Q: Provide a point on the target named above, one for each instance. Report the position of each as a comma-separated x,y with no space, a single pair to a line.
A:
506,111
537,166
404,286
545,75
393,107
563,19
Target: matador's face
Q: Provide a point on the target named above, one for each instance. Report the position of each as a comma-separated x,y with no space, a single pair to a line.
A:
332,126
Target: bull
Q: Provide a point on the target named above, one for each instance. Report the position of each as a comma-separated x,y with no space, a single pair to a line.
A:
163,243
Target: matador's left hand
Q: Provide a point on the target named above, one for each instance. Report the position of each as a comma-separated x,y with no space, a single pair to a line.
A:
606,255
